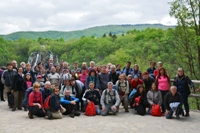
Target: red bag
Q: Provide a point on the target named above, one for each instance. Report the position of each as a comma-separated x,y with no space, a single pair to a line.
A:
90,109
156,111
137,100
47,102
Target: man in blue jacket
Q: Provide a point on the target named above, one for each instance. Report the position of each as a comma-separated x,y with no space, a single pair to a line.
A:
69,103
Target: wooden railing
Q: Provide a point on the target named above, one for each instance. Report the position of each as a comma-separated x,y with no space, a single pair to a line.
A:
193,93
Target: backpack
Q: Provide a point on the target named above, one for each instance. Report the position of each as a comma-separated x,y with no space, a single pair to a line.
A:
119,90
26,96
90,109
137,101
47,103
156,111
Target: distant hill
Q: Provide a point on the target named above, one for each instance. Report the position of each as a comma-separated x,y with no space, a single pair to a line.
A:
97,31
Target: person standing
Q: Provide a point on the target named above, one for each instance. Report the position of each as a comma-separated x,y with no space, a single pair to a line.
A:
103,78
183,82
17,89
54,77
1,84
7,80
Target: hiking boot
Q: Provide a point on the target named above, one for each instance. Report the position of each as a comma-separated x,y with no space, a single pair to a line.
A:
126,111
25,108
187,115
71,115
177,117
30,115
13,109
49,115
19,108
76,113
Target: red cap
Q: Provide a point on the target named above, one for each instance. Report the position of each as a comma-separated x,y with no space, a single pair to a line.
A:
39,76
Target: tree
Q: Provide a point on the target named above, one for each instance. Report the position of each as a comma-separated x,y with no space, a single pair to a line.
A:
104,35
110,34
187,33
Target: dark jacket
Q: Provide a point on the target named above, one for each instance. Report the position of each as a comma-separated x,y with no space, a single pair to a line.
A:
103,80
7,77
55,103
45,93
143,99
185,82
18,82
113,77
170,99
24,85
148,83
93,96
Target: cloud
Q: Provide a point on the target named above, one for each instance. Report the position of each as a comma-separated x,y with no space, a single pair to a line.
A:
62,15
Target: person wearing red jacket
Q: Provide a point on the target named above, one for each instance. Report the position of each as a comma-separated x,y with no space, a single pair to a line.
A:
35,104
136,81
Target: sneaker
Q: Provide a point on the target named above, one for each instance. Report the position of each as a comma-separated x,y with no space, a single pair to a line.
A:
71,115
30,115
13,109
76,113
177,117
25,108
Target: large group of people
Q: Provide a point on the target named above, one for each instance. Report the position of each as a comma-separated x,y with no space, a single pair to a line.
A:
54,90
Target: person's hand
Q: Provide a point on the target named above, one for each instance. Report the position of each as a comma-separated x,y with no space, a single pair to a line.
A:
103,109
39,106
97,89
12,91
58,111
114,108
88,101
167,112
44,111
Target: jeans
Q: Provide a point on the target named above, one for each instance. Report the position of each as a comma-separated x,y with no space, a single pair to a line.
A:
69,108
107,108
163,93
185,102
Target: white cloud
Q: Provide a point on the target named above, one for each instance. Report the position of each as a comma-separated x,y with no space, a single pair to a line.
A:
41,15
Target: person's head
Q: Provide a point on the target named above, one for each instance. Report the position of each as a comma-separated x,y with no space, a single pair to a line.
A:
65,64
145,75
181,72
47,85
112,68
72,81
109,65
83,69
20,70
91,85
92,72
173,90
36,87
104,69
36,69
28,67
75,65
43,70
23,64
84,64
92,64
128,64
53,69
39,78
14,63
122,76
162,71
40,65
73,72
28,76
51,65
67,82
118,66
129,78
135,77
159,64
9,66
136,67
58,67
154,87
110,85
152,64
3,67
67,93
56,90
51,60
140,88
99,68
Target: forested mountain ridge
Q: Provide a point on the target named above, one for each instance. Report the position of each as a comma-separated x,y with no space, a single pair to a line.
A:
97,31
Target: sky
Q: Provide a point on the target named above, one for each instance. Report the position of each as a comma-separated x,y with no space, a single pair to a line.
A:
69,15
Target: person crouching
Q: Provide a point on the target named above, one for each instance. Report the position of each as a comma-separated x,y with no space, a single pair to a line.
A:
56,109
69,103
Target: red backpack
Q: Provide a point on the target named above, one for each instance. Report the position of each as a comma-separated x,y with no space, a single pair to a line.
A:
156,111
90,109
47,103
137,100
